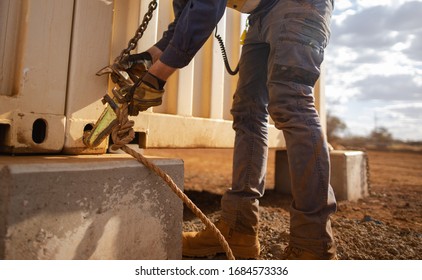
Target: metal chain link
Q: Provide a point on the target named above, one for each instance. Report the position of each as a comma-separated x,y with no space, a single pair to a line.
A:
139,32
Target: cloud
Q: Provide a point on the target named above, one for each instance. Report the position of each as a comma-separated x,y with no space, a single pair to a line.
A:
407,17
402,119
411,114
409,111
414,50
393,88
380,27
369,56
374,64
365,29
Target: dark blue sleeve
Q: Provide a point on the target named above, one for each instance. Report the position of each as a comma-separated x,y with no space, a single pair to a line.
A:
178,6
193,24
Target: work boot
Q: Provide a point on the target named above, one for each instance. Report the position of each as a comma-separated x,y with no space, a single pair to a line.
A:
205,243
294,253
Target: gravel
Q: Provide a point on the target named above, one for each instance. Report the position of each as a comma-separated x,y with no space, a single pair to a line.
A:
365,239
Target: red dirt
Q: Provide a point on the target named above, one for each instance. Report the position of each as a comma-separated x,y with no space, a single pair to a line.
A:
385,225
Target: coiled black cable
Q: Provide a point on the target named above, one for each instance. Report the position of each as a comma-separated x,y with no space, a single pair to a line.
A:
224,54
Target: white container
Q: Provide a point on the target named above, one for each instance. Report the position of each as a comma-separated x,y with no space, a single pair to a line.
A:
90,51
33,74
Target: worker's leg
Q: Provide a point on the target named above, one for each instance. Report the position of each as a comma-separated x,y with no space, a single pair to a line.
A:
295,59
239,221
250,118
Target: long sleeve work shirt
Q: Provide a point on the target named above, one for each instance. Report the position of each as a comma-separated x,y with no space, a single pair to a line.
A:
193,24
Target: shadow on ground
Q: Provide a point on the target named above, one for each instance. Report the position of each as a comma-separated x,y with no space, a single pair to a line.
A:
209,203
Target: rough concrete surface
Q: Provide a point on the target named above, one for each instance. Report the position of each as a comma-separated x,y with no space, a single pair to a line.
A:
88,207
348,174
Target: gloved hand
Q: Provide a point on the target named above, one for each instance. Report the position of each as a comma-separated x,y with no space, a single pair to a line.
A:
137,65
131,69
148,92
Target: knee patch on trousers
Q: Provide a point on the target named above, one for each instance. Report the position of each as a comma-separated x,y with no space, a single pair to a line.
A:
294,74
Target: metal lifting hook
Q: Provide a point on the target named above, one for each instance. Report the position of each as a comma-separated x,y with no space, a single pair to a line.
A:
123,89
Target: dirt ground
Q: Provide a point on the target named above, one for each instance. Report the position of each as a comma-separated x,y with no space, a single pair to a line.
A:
385,225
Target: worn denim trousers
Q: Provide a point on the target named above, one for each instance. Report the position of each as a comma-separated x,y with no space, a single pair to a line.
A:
279,66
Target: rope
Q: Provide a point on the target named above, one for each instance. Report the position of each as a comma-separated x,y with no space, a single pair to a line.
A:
123,134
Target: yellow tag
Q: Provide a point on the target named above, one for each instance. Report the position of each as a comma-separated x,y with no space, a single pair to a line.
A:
242,37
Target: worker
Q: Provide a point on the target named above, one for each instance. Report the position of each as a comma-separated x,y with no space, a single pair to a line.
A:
279,66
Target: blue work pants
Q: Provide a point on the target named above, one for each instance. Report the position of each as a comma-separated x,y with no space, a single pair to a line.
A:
279,65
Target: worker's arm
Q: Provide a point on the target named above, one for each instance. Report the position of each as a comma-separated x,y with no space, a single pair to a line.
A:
193,24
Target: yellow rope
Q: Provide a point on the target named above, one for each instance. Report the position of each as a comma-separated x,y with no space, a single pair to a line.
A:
123,134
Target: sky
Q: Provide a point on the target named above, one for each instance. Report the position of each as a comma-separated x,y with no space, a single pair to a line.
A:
374,66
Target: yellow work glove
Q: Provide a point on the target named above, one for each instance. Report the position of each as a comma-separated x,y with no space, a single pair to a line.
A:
148,92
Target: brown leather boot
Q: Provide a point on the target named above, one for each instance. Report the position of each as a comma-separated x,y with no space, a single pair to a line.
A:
205,243
293,253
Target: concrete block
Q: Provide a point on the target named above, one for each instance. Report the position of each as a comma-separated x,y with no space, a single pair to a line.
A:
348,174
88,207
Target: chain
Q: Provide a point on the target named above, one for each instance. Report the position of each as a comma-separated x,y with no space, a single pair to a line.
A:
139,32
